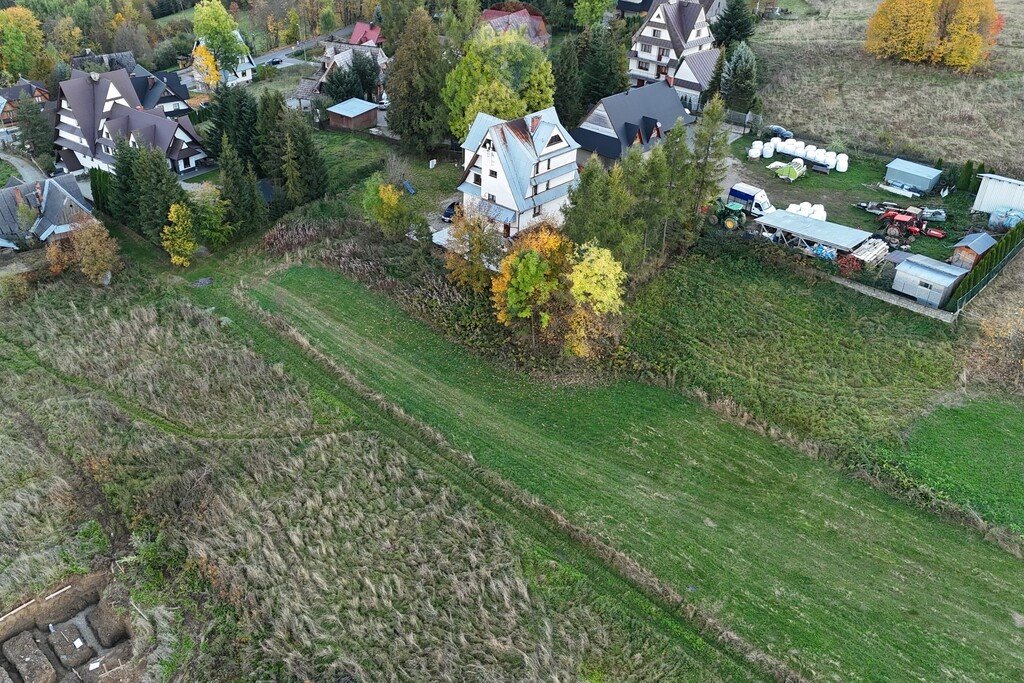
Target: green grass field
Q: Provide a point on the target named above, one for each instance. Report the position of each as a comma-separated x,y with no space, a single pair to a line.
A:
834,577
817,359
974,454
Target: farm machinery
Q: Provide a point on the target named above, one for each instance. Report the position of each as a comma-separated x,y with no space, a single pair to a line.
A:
903,223
729,214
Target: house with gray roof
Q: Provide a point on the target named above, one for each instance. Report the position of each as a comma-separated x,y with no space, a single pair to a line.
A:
161,90
634,8
675,44
110,61
21,89
519,172
338,55
637,117
95,110
52,205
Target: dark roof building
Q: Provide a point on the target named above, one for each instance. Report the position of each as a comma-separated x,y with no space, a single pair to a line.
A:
10,95
712,8
532,26
161,90
53,202
111,61
639,116
675,44
95,110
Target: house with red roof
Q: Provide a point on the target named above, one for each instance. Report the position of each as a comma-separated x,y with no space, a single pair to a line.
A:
366,34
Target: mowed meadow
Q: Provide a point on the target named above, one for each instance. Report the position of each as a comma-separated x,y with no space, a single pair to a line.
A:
821,571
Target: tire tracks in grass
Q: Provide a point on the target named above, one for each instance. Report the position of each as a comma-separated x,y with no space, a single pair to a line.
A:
693,631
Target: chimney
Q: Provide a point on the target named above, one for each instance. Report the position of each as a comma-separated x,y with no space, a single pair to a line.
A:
18,199
39,194
151,82
94,77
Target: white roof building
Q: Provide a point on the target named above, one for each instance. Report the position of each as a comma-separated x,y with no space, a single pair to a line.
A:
998,193
519,172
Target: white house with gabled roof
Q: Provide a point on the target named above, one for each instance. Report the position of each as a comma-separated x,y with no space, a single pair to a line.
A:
518,172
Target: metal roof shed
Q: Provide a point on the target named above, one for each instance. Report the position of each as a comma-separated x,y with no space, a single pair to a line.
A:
928,281
999,192
795,230
903,173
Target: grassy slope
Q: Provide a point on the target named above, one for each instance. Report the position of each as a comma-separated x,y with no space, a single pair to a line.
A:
822,571
6,171
973,453
816,359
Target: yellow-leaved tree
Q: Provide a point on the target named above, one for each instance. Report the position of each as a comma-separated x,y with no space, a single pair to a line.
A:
596,281
207,72
957,33
179,235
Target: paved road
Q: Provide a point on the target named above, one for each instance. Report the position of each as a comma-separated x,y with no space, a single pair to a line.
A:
27,171
283,52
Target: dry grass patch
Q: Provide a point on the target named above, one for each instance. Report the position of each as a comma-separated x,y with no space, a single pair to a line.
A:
822,84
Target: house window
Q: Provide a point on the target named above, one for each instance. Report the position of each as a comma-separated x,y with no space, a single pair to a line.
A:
656,32
493,173
662,53
536,211
643,66
924,285
476,178
644,47
490,198
556,139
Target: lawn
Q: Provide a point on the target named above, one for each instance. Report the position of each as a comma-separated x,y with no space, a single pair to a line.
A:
819,360
973,453
836,578
352,157
284,80
6,171
211,176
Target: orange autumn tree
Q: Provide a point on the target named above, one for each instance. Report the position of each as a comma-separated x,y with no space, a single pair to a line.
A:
956,33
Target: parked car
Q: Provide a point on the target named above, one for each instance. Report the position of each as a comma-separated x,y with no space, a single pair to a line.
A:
779,132
449,213
276,61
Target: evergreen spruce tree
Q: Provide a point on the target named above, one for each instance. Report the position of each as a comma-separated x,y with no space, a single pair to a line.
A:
715,84
604,71
245,209
710,153
342,84
416,75
312,167
966,177
268,146
568,84
739,79
367,73
735,25
123,198
292,174
156,187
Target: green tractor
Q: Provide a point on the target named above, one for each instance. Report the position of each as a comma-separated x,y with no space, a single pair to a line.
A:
730,215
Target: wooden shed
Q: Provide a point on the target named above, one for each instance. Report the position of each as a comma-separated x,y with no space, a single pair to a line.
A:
968,251
352,114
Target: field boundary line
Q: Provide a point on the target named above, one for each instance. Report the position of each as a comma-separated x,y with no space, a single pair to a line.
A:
621,564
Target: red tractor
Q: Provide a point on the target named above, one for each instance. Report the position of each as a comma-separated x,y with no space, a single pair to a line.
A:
908,222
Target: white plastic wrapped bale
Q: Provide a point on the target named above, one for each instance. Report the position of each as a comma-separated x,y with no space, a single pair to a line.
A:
809,152
830,159
800,146
819,156
789,147
754,153
806,208
776,141
842,163
793,208
818,211
768,151
757,144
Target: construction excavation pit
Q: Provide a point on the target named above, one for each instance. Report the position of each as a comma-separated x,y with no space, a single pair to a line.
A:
76,634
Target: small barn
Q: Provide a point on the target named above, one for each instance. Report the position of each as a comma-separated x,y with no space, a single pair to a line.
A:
352,114
999,193
968,251
911,176
928,281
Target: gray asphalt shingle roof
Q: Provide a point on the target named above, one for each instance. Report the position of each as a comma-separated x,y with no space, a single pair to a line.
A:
637,110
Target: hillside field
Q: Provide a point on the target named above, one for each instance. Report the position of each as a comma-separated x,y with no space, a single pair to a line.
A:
819,82
839,580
